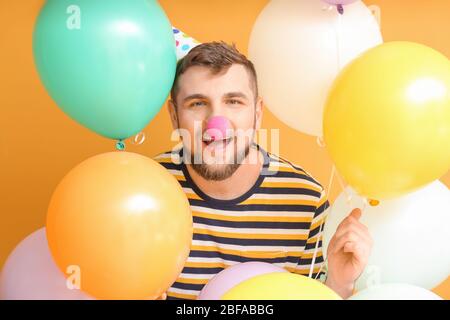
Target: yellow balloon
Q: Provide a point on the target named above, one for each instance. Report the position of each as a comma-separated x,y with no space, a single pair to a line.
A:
387,119
121,224
281,286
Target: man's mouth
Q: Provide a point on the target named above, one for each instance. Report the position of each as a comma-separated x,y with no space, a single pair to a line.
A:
216,143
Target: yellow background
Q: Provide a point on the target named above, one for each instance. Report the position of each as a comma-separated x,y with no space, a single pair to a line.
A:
39,143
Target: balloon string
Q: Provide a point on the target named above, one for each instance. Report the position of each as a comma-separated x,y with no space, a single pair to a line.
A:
139,138
348,196
320,141
314,258
365,203
337,34
338,42
313,261
330,182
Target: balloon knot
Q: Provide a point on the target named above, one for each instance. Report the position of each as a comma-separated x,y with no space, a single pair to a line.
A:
120,145
340,9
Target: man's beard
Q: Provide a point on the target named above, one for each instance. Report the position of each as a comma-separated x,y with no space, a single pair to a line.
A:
206,172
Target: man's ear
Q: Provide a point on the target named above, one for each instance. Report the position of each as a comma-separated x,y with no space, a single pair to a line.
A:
173,113
258,112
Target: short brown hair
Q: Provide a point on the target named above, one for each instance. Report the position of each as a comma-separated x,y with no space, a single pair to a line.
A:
217,56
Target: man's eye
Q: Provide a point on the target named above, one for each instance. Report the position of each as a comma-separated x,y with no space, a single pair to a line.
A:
233,101
197,104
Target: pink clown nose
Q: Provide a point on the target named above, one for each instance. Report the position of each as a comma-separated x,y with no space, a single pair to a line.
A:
217,127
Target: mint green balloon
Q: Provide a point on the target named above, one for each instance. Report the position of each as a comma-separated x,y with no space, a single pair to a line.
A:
108,64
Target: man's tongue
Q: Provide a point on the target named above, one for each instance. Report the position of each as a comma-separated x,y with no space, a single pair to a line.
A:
222,143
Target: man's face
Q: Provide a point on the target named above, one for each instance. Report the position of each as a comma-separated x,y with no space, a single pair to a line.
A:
203,95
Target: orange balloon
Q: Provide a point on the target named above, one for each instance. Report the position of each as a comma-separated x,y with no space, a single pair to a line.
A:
125,221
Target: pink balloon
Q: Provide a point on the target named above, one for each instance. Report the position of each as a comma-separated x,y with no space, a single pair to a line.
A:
337,2
232,276
217,127
30,273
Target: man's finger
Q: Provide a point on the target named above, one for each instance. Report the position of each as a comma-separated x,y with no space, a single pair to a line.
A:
350,247
360,252
355,250
358,228
347,237
352,217
356,213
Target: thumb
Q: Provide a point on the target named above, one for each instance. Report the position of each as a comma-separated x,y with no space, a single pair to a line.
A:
356,213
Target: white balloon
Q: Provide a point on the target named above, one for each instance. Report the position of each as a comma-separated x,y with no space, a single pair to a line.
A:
298,48
411,236
395,291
